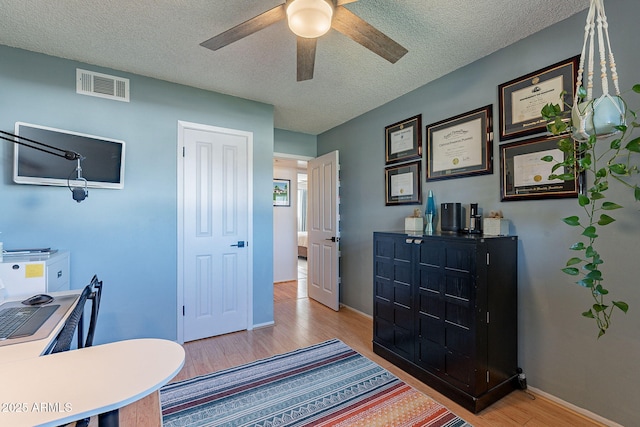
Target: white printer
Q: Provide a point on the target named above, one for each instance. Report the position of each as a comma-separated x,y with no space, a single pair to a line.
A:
26,274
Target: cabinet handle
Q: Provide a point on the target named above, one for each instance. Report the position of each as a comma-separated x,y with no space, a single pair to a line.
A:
417,241
409,241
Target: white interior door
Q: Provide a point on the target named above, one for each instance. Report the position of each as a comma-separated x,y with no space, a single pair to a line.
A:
214,248
323,230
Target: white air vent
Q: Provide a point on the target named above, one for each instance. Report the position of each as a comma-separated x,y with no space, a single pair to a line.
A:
102,85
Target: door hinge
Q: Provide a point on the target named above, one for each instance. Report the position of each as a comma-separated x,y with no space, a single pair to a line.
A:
183,151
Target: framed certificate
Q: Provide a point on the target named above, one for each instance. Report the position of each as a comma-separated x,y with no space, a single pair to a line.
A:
524,175
522,99
402,184
403,140
461,146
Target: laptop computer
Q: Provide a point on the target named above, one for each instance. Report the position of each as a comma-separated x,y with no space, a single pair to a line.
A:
33,326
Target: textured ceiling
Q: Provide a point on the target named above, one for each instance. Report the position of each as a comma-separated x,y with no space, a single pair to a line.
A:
160,39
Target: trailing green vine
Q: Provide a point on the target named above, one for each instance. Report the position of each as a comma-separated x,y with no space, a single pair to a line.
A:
617,163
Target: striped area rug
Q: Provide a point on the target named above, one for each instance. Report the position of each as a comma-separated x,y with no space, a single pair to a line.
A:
328,384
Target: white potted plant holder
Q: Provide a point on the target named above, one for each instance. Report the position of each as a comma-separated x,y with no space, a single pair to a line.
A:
599,116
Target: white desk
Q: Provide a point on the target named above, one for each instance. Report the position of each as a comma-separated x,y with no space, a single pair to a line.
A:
80,383
55,389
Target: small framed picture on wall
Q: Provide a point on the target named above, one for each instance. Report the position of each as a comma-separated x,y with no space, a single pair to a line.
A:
281,192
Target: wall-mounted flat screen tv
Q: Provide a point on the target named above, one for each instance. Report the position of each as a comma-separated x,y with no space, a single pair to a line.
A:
102,166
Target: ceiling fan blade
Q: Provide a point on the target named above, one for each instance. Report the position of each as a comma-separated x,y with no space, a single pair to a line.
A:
247,28
306,58
364,33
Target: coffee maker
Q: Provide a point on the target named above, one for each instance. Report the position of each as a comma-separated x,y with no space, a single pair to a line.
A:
475,219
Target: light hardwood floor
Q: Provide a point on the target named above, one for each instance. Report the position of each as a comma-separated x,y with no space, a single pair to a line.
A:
300,322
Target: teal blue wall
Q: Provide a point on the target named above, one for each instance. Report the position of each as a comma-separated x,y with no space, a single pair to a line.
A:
128,237
296,143
558,348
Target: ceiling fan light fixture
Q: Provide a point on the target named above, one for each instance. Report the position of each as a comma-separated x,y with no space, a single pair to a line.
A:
309,18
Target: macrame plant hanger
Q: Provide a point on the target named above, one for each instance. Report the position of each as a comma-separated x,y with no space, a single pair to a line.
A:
598,116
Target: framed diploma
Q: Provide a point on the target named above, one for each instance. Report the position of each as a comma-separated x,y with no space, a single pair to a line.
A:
522,99
524,175
461,146
403,140
402,184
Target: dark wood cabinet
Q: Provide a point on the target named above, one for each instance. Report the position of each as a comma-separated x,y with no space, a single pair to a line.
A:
445,310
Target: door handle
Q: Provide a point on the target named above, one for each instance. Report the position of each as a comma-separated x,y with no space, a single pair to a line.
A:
240,244
334,239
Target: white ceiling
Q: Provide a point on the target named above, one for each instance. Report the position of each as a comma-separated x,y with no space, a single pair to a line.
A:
161,39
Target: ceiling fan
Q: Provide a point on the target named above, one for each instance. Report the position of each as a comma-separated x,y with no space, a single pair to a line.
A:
309,19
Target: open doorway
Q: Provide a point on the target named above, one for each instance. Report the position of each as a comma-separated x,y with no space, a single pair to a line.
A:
303,238
289,231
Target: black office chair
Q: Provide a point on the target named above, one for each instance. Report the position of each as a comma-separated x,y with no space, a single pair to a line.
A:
93,291
95,297
63,342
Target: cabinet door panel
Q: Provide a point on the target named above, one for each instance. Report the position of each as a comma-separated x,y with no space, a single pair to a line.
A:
403,317
430,304
383,247
402,294
403,250
431,329
457,314
383,269
459,258
403,340
431,254
383,289
431,356
458,340
402,272
458,287
383,310
430,279
383,330
459,368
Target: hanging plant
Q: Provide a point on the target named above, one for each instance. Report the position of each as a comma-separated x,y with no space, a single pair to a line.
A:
617,164
593,122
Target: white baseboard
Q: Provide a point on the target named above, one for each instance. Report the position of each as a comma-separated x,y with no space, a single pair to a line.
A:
574,408
263,325
357,311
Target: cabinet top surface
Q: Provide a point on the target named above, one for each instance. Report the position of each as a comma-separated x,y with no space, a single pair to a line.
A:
438,234
35,257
